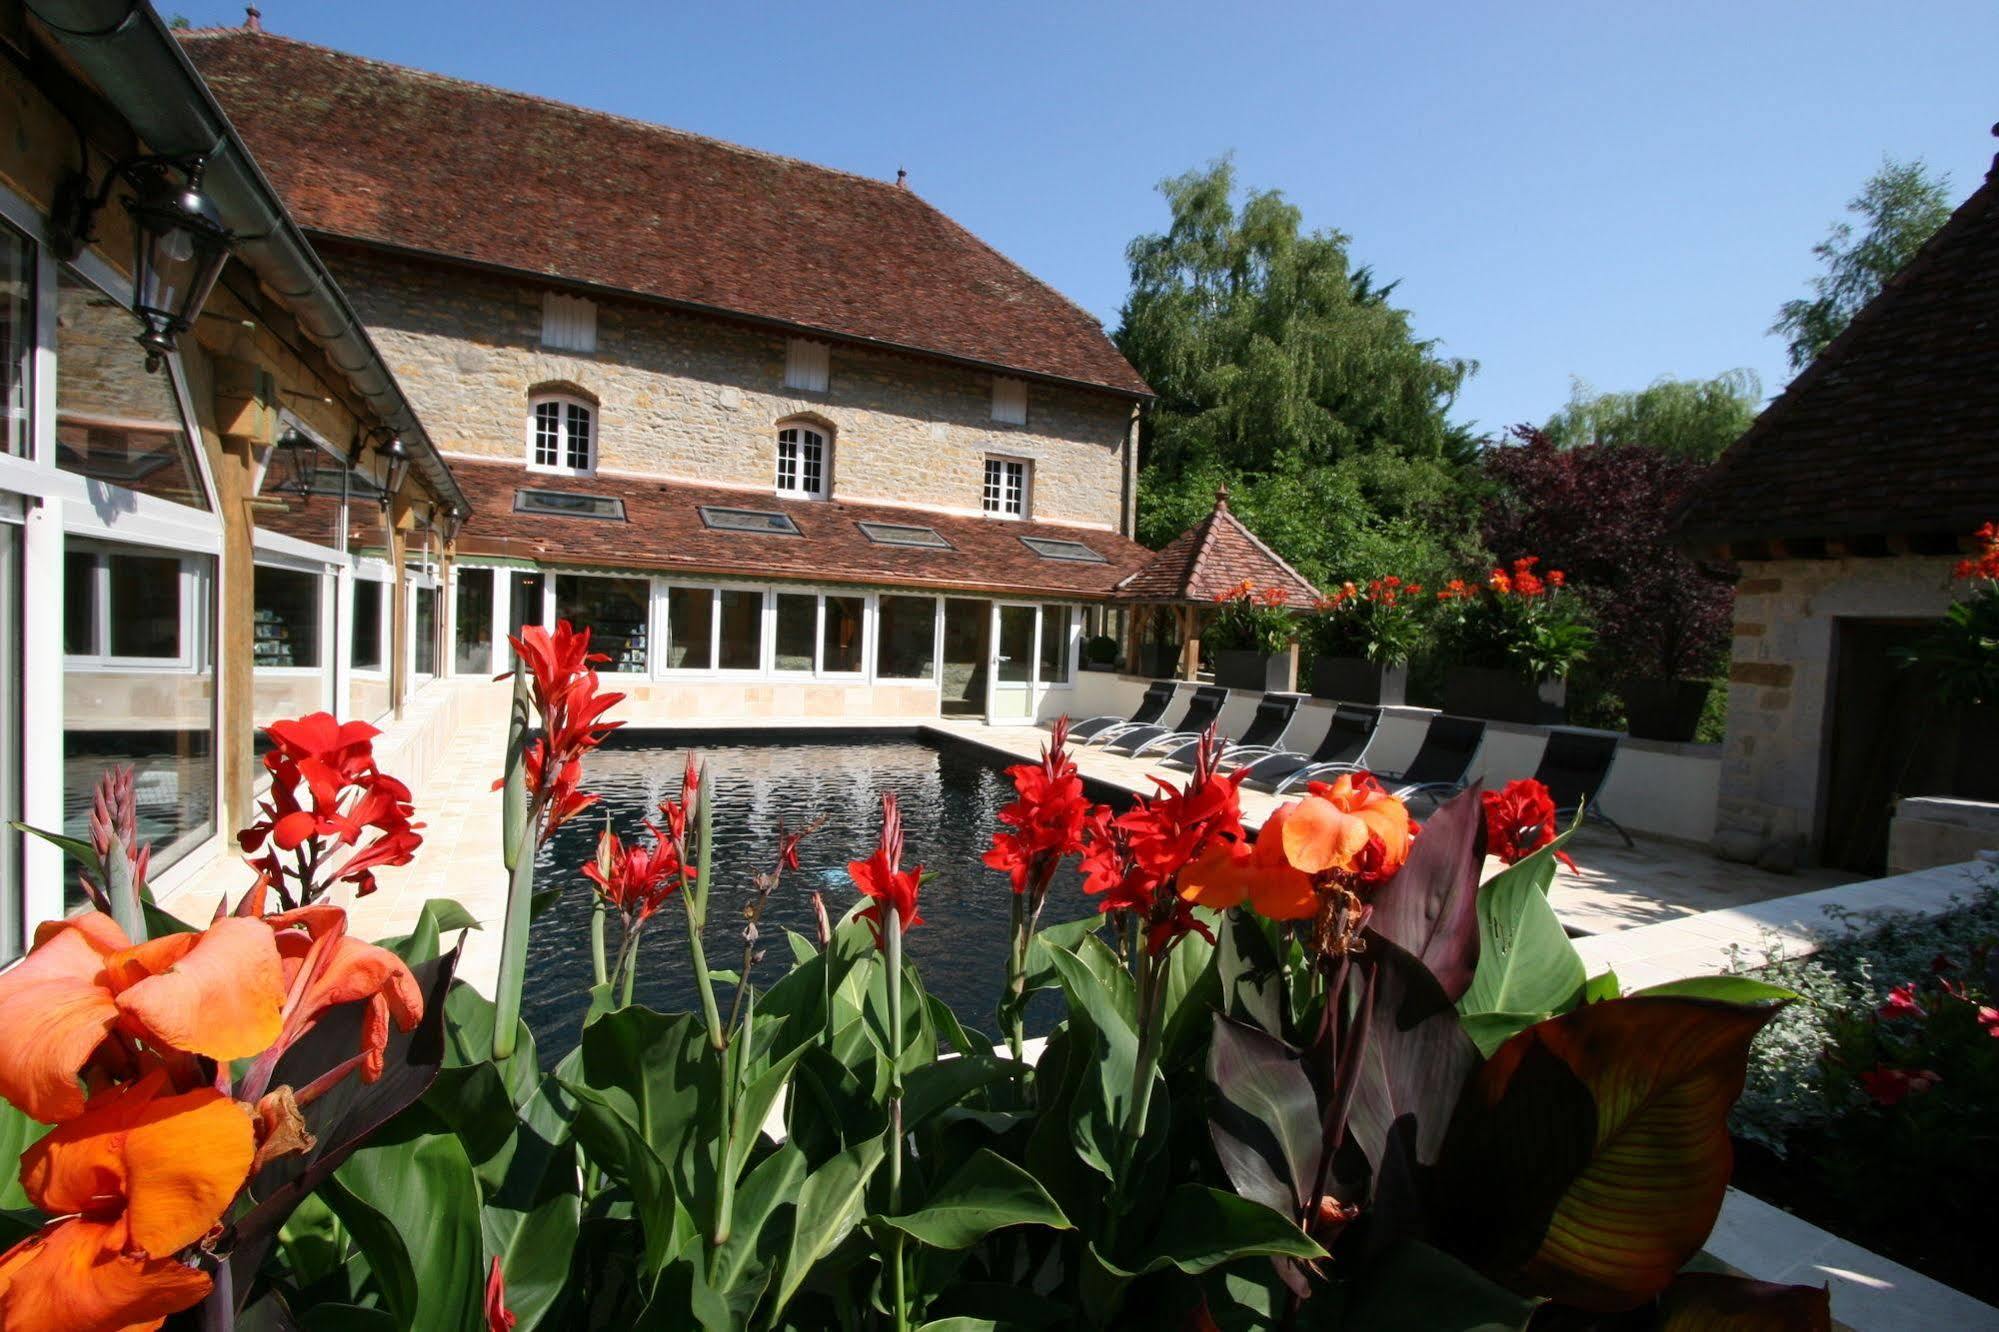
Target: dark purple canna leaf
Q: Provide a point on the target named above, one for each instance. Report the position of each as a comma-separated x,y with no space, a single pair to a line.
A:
1430,908
1716,1302
1265,1117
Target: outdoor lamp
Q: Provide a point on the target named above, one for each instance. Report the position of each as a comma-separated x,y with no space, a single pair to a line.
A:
180,244
397,455
302,457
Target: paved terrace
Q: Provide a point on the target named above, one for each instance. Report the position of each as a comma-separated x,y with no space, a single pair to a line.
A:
449,744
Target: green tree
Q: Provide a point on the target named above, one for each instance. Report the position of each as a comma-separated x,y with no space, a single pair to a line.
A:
1283,370
1901,206
1688,418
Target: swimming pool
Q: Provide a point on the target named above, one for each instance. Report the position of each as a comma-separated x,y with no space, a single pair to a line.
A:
951,795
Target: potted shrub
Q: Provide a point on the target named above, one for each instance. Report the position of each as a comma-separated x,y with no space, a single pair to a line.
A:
1512,642
1249,638
1361,639
1100,653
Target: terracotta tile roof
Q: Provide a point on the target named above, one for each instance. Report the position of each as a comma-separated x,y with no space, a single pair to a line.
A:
1894,429
1211,558
389,155
663,531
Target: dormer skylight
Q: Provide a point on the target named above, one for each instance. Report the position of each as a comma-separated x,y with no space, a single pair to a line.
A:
766,522
904,534
1050,549
568,504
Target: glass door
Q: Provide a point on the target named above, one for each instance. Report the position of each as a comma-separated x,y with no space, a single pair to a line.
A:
966,670
1015,629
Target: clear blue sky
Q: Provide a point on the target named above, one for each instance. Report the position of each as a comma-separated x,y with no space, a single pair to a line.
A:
1615,192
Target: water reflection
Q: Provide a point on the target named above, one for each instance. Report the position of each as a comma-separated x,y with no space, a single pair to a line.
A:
950,795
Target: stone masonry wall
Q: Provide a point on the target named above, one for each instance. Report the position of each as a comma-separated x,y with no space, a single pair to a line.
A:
1780,677
700,399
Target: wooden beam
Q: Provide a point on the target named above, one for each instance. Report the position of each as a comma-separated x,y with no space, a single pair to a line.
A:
243,408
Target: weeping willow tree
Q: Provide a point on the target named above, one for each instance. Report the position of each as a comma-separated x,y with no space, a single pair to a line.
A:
1284,370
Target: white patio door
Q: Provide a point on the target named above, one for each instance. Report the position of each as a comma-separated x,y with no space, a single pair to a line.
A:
1016,643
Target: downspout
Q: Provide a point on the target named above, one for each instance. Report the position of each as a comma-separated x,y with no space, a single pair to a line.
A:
126,50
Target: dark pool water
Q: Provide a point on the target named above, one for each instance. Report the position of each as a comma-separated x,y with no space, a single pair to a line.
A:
951,794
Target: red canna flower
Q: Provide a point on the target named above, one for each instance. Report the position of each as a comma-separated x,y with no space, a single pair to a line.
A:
1891,1086
1046,820
1984,563
563,682
1520,820
332,763
1902,1003
882,878
1988,1018
498,1319
636,879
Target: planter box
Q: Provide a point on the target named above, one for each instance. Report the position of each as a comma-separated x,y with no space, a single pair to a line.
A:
1358,680
1161,661
1242,668
1480,691
1657,708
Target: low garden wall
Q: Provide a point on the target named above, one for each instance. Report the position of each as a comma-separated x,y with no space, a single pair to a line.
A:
1657,788
1940,830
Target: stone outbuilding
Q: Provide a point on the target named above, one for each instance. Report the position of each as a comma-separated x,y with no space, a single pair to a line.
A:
1846,506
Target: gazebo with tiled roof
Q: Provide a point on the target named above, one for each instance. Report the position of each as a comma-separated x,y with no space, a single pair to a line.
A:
1199,567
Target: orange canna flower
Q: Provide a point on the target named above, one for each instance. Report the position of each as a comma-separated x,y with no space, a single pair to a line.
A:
215,993
323,967
137,1178
1351,828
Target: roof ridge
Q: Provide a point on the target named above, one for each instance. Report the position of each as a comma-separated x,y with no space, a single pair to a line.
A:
1265,547
571,108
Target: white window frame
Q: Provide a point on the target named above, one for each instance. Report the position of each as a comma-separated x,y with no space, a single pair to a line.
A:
1009,400
808,365
565,403
993,498
568,323
935,681
714,670
548,613
378,573
807,435
424,577
193,611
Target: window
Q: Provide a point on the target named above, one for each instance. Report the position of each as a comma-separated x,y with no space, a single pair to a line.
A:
801,462
1006,487
115,421
368,602
614,610
17,344
562,435
906,638
797,628
1055,642
568,323
690,628
569,504
285,623
1009,401
748,520
473,619
840,635
423,635
12,896
140,690
899,534
807,365
740,636
1050,549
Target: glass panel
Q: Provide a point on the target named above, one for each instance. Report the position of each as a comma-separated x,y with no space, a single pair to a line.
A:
906,638
1049,549
10,741
17,347
547,434
145,605
368,596
742,630
797,625
690,632
424,630
159,719
579,438
899,534
614,610
966,624
116,422
1054,645
79,603
748,520
523,602
844,618
568,504
285,626
474,653
1016,644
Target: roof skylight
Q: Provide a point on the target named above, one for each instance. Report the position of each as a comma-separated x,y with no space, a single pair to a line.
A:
767,522
901,534
568,504
1050,549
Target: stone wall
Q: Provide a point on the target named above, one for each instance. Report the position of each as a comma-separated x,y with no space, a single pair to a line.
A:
1779,693
699,399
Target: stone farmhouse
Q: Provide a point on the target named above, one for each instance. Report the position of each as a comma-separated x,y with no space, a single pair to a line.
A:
1846,505
792,442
